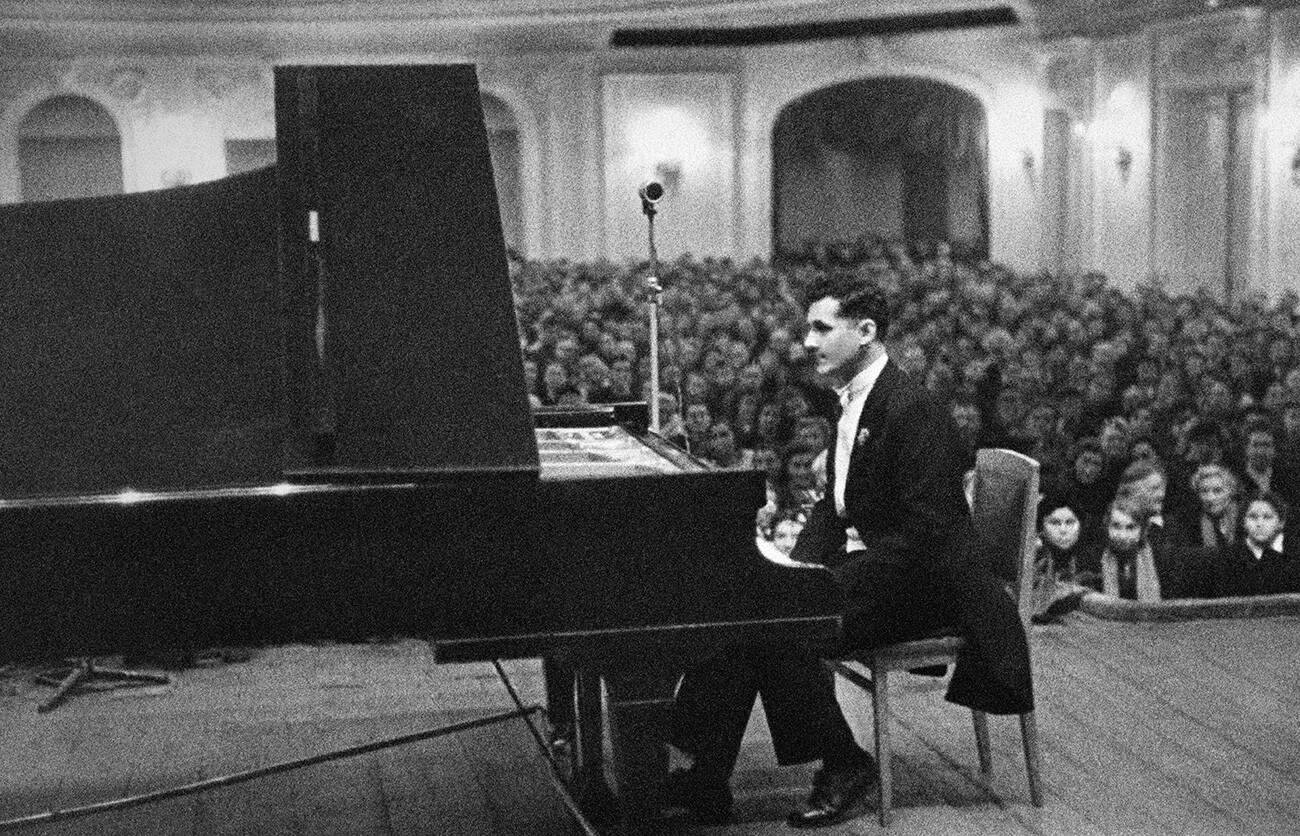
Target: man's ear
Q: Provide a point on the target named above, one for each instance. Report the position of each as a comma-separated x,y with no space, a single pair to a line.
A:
866,330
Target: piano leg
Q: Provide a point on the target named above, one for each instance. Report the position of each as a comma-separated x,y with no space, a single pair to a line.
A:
639,714
589,786
560,711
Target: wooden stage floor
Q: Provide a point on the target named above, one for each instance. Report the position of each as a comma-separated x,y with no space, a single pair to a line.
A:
1178,728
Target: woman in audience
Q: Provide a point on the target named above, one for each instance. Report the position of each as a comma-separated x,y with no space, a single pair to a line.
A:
798,489
1065,565
723,450
770,429
1083,489
1261,562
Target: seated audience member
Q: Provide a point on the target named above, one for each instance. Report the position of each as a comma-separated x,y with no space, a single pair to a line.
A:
1064,564
1181,564
1260,563
778,541
1128,566
970,429
570,396
1083,490
671,425
1261,470
770,428
1215,524
593,379
723,451
698,420
1288,439
1043,440
813,432
743,414
1116,441
798,488
786,532
1202,443
555,383
1144,448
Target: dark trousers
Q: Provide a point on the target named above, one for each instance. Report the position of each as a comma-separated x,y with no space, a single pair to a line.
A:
885,603
714,701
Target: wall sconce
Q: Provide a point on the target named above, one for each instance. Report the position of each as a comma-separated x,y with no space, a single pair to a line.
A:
1123,162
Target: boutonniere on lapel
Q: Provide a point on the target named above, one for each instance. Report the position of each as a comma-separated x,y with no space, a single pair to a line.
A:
863,435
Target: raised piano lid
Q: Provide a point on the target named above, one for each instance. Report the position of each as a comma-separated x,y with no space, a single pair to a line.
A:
140,341
403,345
151,341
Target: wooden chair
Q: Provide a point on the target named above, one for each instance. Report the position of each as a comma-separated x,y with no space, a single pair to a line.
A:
1004,513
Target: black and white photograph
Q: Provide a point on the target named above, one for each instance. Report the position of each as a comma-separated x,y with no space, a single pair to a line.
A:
649,417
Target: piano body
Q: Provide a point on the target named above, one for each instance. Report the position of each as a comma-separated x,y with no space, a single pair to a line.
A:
289,406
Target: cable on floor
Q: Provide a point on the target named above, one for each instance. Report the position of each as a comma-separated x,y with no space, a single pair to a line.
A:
262,772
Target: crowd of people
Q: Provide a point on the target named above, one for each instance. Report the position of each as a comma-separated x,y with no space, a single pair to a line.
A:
1167,426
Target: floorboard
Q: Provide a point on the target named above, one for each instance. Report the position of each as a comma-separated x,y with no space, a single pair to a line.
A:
1189,728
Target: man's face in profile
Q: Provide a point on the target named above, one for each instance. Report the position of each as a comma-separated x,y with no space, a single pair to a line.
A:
834,342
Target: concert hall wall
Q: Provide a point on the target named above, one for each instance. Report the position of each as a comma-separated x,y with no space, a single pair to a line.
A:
1086,165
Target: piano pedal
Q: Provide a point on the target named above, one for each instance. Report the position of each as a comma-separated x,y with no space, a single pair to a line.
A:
561,743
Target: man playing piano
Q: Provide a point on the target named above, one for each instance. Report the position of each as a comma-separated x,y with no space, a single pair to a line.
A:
895,529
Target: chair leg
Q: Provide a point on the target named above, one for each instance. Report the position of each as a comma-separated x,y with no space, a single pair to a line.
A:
1029,735
981,721
880,704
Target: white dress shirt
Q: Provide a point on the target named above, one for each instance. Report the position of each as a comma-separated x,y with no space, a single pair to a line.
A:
852,398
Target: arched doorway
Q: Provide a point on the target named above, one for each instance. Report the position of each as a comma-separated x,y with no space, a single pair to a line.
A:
68,146
891,158
503,146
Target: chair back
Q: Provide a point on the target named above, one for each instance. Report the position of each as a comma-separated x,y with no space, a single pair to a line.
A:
1004,513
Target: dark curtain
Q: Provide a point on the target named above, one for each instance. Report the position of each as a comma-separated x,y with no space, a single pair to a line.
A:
894,158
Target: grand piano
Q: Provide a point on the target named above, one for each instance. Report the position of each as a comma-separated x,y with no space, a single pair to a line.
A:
289,406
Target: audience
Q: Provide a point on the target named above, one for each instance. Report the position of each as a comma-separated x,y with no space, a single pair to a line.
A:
1090,380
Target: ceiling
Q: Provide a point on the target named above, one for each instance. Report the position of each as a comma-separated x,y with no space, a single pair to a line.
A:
77,26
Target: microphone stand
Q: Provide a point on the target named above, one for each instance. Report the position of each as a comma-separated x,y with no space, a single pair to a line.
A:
656,290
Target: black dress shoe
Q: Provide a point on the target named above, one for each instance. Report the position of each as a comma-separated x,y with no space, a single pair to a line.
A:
836,796
708,800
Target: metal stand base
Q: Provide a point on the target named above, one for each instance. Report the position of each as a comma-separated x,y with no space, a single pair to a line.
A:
83,674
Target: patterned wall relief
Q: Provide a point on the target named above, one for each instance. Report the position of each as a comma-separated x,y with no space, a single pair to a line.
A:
1213,50
124,84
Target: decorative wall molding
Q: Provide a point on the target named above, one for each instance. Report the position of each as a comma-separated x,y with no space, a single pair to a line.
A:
226,81
124,84
1069,75
1221,50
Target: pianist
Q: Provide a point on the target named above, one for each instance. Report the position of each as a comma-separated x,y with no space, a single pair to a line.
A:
895,529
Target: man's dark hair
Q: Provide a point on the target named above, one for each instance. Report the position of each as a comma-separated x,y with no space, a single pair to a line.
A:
859,298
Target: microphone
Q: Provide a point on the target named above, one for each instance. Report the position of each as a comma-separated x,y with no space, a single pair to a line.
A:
651,191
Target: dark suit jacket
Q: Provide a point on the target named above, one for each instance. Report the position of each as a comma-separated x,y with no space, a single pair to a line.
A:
904,497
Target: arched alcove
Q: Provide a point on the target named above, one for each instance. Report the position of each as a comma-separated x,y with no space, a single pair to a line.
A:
894,158
503,145
68,146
